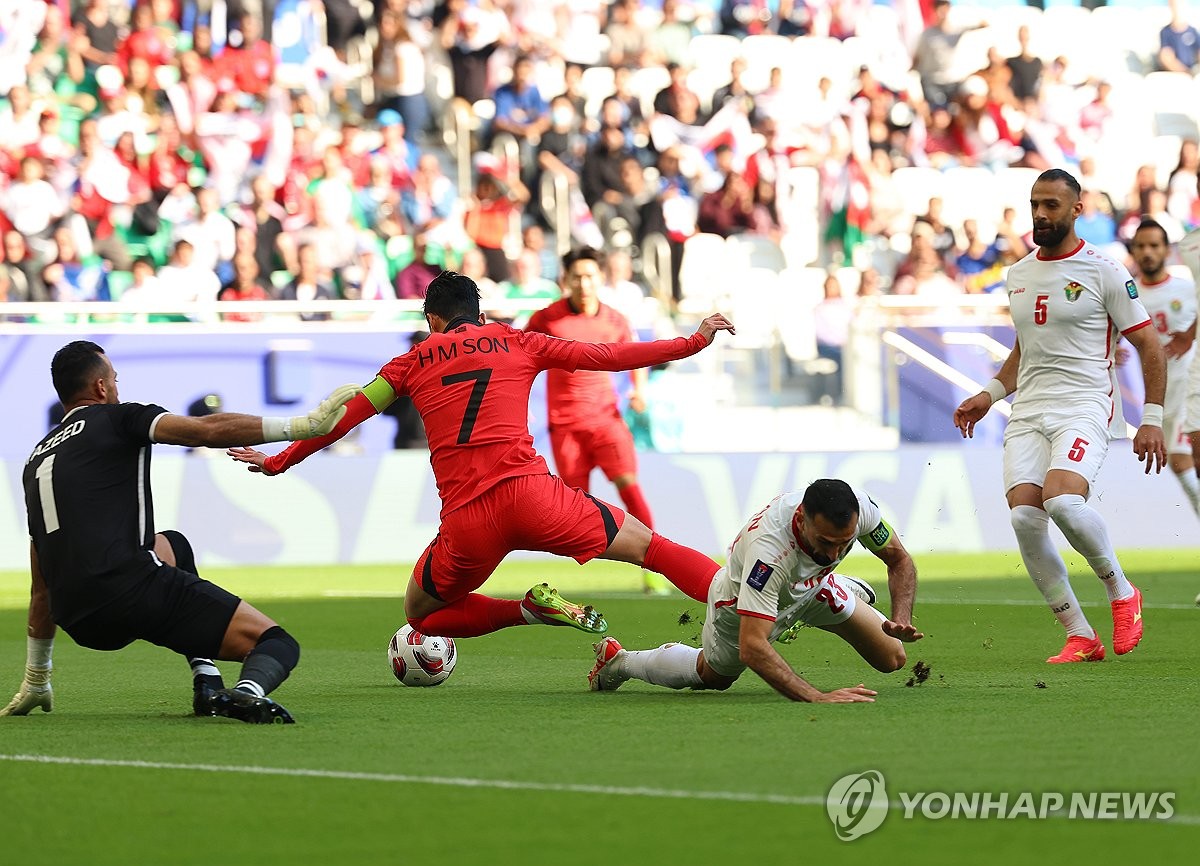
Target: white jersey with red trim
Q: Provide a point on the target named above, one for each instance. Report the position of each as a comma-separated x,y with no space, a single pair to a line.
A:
1067,312
767,571
1171,305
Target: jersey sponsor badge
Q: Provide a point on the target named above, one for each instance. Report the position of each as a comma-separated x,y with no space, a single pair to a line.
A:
759,575
1073,290
1131,287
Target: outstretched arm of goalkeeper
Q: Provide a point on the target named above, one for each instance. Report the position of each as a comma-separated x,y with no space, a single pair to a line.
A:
369,401
35,690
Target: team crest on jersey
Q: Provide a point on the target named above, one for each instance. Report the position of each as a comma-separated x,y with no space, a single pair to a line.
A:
1131,287
1176,305
759,575
1073,291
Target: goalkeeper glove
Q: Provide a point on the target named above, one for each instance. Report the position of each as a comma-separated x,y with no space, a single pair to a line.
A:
325,417
35,691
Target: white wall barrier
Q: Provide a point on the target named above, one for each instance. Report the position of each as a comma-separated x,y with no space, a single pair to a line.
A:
384,509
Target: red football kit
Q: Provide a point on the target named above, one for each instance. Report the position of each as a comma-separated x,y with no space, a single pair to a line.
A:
471,387
586,428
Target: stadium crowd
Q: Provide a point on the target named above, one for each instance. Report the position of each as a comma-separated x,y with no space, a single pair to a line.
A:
165,151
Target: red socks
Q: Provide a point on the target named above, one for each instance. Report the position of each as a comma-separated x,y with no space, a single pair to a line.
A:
689,570
635,503
471,616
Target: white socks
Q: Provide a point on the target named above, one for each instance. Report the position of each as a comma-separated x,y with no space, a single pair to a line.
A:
1085,530
1191,487
1047,569
672,665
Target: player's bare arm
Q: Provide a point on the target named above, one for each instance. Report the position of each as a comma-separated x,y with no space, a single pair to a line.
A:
1148,444
972,410
756,651
902,586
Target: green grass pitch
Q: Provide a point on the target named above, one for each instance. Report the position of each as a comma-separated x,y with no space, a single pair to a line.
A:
514,761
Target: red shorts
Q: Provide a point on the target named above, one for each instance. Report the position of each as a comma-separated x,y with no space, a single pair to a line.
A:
579,450
529,512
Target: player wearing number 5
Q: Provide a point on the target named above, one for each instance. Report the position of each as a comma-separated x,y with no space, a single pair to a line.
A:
470,383
1069,303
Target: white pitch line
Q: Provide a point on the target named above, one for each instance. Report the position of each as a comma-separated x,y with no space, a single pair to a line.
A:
1033,602
502,784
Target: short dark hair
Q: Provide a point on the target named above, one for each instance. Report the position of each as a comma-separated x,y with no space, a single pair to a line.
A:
582,254
832,499
452,296
1051,175
74,367
1153,224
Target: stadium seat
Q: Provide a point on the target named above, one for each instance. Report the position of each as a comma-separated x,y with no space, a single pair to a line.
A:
800,290
755,251
715,51
597,85
917,185
971,193
645,83
765,52
754,308
704,273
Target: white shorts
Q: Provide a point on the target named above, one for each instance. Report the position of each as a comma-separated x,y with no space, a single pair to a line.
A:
1191,421
825,603
1074,439
1175,410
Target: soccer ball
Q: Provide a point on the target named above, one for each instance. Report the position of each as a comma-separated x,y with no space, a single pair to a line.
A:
421,660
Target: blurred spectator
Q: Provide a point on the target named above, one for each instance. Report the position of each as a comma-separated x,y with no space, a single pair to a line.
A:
602,183
250,66
562,147
19,121
146,289
923,271
194,283
414,279
729,210
527,283
1096,223
429,204
627,41
623,108
1182,201
101,33
147,40
332,189
1179,43
735,91
533,238
676,99
1095,117
51,55
308,284
933,59
373,282
378,202
68,278
245,286
273,248
619,290
31,204
980,265
869,284
522,112
401,154
471,33
488,217
1012,245
399,73
941,236
1026,69
831,324
335,242
1157,211
19,271
474,265
743,18
210,232
671,41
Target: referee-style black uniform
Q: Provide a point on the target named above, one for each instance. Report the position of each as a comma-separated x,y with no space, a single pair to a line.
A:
91,519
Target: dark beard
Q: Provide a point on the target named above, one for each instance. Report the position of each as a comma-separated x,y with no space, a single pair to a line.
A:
1050,236
821,560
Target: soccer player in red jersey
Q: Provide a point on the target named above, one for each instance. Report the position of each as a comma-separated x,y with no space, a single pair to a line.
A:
586,427
470,382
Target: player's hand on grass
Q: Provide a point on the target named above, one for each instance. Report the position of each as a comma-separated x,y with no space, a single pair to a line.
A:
970,411
906,632
324,418
1150,448
35,691
255,459
716,322
858,694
